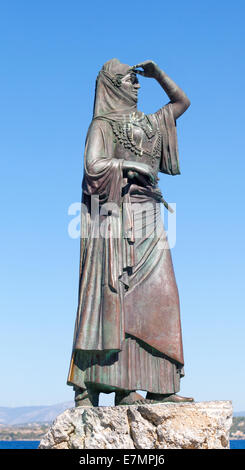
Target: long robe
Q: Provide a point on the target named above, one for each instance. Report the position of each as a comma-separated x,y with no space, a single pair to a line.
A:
127,331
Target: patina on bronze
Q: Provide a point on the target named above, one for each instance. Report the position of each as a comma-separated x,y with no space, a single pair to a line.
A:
128,332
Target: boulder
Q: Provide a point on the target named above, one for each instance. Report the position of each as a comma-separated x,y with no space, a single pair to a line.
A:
203,425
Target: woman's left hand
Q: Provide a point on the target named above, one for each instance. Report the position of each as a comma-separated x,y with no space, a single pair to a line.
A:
150,69
144,179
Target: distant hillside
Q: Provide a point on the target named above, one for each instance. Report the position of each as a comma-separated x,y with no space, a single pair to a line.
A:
238,428
239,413
32,414
43,414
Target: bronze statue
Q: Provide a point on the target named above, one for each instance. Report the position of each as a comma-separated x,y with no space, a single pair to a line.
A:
127,333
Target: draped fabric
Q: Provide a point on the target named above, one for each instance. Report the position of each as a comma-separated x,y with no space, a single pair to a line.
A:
165,121
100,316
127,286
136,367
110,101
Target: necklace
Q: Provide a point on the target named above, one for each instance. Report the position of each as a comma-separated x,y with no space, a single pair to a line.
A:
123,132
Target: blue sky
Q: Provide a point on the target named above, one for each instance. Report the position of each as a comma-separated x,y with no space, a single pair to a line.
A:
51,53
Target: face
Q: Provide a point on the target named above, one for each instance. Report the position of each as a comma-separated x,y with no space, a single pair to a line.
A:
131,84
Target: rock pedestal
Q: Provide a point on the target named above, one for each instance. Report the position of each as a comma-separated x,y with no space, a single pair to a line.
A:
203,425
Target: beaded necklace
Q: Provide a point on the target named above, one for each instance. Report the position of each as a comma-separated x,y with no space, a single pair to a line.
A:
123,132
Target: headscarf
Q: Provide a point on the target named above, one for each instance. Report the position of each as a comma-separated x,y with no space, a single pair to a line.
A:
111,101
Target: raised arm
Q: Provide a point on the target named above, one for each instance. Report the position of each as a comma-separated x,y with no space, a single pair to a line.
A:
180,102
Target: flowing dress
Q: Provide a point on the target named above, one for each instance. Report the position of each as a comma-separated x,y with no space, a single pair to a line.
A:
127,332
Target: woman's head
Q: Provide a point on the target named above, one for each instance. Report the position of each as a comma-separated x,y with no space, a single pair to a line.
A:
130,83
116,89
122,76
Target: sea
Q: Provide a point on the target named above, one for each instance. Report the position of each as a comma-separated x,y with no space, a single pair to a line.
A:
234,444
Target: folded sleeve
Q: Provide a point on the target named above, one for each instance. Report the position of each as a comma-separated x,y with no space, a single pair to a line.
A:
102,173
165,122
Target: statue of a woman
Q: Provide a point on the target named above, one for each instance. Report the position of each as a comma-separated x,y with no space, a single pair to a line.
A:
127,333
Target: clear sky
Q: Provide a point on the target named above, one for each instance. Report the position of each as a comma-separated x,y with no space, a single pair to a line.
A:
51,53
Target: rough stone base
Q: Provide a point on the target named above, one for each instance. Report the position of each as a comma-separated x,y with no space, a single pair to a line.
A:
203,425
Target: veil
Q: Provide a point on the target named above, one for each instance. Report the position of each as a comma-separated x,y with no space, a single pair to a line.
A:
111,100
